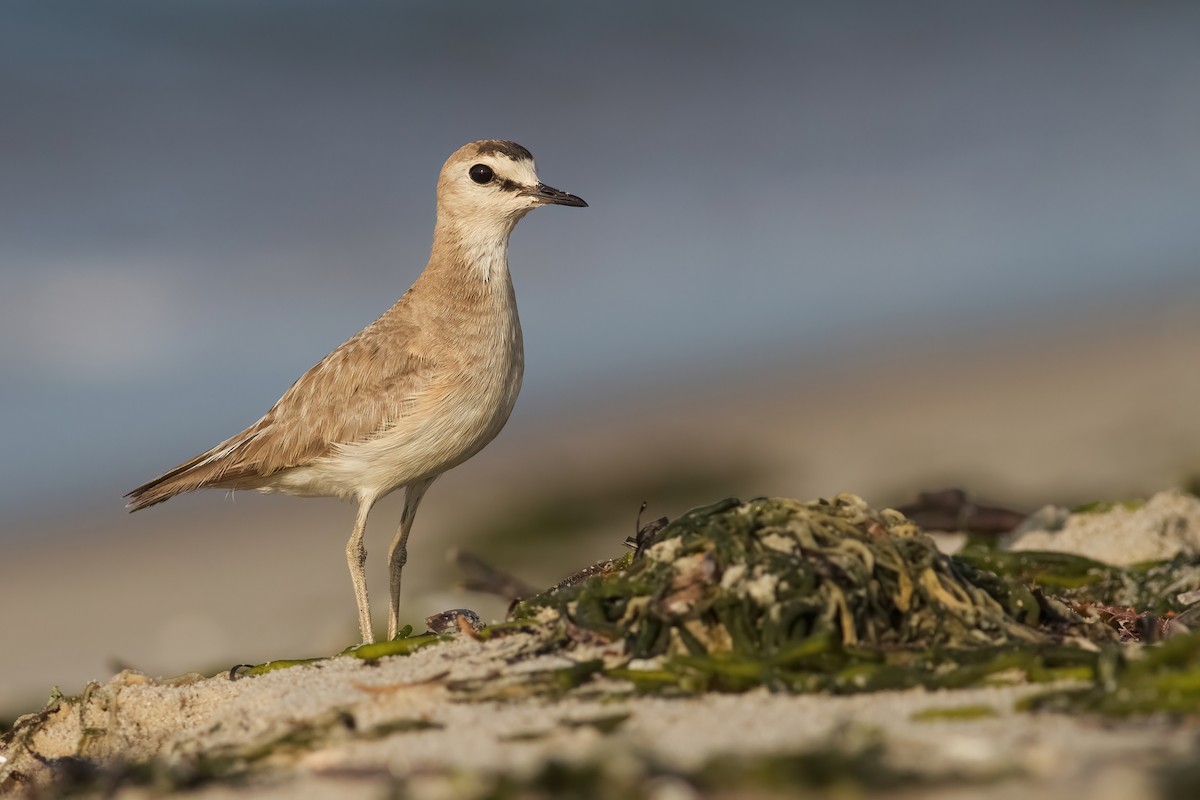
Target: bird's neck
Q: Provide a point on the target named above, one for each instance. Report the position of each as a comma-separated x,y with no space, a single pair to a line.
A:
475,253
466,287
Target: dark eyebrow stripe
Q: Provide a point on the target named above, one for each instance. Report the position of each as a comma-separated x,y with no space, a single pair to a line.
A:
505,148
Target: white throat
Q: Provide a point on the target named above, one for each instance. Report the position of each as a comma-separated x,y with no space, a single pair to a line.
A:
488,260
485,249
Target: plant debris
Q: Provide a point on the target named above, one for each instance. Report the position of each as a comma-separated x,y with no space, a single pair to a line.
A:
954,510
1155,587
1164,678
809,596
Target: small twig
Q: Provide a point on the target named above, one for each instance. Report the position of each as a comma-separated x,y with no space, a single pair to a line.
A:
603,568
483,577
953,510
643,533
233,671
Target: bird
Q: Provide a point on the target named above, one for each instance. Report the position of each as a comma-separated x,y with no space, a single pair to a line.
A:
418,391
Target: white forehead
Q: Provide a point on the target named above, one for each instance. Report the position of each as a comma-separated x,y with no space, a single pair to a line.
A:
526,171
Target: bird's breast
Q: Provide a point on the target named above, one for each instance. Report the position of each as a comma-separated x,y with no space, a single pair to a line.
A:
481,363
481,393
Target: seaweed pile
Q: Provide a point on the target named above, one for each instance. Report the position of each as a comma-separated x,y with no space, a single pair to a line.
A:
1158,590
826,595
832,595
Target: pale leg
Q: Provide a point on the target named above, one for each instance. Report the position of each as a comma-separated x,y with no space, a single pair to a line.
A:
356,557
398,553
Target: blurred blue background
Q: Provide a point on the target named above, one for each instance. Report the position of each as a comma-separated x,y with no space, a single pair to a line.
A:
201,199
875,247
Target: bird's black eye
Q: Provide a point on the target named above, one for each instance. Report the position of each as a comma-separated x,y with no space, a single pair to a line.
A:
482,173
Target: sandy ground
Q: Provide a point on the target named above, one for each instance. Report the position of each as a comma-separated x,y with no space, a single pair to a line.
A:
1103,407
448,720
1169,522
1009,754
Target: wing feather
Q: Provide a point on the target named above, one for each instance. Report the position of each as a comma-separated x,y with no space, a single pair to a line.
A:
366,386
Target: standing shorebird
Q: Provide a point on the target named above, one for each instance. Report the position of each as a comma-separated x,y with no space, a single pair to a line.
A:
418,391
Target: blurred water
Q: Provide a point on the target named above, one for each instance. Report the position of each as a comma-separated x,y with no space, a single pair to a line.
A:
201,199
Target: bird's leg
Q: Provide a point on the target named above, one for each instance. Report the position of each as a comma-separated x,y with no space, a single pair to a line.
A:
356,557
398,553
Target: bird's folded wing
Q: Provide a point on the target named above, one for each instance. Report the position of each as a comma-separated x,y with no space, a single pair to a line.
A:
364,387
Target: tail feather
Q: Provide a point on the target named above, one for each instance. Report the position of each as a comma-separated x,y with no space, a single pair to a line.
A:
183,478
214,468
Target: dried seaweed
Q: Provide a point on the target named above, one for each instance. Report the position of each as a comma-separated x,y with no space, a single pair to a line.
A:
1164,678
829,595
1154,587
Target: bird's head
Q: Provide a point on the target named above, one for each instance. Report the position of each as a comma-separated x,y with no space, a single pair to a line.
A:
488,186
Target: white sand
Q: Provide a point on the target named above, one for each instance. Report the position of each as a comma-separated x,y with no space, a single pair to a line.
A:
473,716
1167,525
138,718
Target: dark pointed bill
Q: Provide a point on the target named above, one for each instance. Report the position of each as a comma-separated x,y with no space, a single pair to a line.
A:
548,194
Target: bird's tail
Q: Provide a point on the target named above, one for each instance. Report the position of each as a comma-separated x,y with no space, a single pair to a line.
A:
214,468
